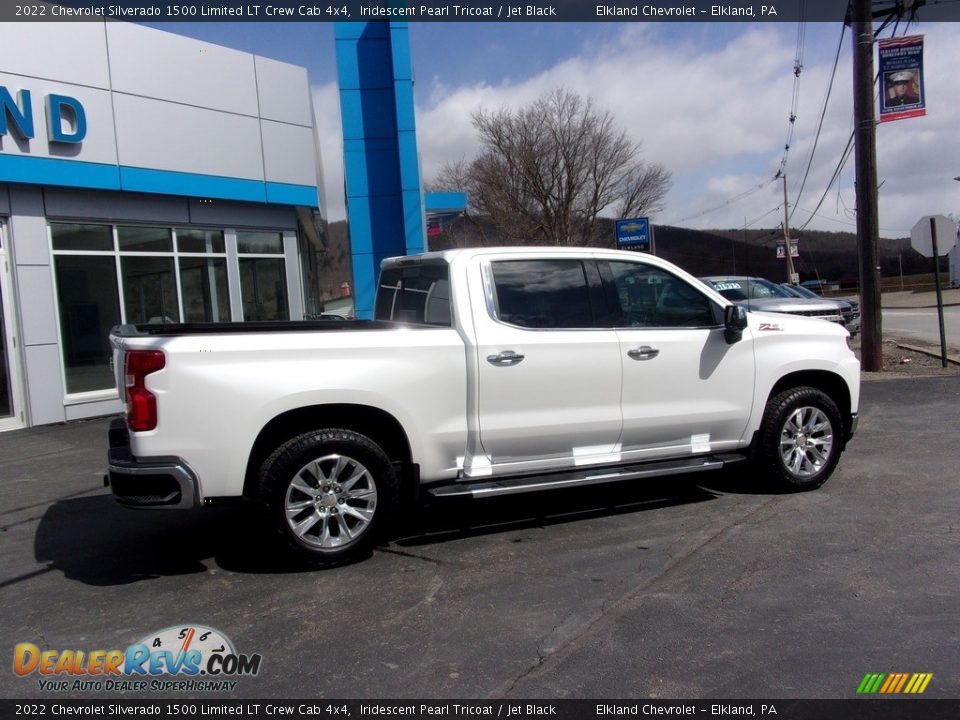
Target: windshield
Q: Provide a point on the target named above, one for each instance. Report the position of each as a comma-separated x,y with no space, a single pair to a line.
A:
738,289
804,292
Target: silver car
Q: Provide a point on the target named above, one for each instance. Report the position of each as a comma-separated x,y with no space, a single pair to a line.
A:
850,309
759,294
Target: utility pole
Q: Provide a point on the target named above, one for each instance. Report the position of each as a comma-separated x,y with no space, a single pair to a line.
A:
786,233
871,332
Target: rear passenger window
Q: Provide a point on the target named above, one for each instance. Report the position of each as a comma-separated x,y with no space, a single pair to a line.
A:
417,294
542,294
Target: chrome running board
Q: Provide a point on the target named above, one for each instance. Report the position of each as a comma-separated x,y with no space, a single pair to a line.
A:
582,477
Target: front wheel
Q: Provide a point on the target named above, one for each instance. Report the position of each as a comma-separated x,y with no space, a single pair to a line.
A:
327,493
800,438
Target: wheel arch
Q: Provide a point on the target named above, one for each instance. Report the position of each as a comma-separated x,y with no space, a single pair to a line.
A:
378,425
828,382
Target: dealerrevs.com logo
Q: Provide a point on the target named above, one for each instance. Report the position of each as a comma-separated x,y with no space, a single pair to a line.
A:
199,658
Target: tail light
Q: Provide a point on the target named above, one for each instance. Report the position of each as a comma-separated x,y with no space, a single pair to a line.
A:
141,403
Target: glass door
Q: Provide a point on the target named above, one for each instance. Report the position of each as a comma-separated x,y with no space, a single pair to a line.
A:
11,416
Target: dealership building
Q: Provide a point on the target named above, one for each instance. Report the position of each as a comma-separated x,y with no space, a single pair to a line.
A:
144,177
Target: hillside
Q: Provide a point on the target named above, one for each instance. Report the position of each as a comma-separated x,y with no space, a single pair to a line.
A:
828,255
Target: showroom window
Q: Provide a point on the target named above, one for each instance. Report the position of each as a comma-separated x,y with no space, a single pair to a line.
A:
85,270
263,275
149,280
203,275
111,274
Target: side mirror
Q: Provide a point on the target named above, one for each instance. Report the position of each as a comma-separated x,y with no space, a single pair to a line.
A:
734,321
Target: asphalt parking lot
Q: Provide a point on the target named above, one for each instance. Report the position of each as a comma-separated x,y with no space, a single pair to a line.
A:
700,587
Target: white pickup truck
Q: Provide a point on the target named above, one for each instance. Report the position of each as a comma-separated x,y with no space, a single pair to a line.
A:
486,372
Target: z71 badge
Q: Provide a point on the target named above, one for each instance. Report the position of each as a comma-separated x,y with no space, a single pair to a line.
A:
769,326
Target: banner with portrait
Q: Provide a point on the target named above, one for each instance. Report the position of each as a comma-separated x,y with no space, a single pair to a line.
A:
901,78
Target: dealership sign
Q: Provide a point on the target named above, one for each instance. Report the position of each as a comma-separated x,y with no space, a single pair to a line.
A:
634,233
66,119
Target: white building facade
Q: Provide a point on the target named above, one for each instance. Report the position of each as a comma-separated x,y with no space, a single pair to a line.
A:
144,177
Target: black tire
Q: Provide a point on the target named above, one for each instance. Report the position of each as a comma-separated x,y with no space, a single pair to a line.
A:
800,439
329,494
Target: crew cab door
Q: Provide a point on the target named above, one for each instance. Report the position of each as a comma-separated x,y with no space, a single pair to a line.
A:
685,389
548,378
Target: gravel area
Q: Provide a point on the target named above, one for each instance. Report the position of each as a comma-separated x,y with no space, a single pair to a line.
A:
899,361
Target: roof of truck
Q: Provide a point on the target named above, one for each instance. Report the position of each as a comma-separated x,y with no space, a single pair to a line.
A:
543,250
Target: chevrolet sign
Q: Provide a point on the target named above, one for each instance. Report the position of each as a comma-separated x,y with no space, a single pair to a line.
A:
634,233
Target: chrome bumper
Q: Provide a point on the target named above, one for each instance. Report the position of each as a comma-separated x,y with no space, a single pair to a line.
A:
163,483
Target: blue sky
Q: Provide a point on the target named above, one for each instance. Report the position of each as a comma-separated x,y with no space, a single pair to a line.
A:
709,101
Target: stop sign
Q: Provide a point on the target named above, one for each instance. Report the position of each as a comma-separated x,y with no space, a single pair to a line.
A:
921,239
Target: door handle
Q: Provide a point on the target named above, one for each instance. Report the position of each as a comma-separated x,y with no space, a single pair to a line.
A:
506,357
644,352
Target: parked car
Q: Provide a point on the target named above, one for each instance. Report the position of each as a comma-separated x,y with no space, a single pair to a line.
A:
849,309
486,372
821,285
759,294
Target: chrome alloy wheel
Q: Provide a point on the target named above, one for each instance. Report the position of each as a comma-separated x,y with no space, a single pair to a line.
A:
331,501
806,441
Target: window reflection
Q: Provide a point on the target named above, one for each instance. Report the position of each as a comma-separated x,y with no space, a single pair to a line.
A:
89,307
144,239
149,290
206,297
263,286
651,297
543,293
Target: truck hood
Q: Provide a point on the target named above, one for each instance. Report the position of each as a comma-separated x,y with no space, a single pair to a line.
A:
790,305
762,323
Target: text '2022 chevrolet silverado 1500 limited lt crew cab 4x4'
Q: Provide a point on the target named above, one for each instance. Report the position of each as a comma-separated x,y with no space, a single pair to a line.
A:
486,372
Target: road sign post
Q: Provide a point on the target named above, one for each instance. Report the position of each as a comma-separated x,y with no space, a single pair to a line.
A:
923,239
936,276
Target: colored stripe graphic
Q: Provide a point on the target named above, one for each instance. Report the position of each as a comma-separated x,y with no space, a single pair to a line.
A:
870,683
894,683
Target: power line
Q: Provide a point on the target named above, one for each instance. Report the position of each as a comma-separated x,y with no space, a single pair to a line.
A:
836,175
846,153
795,101
731,201
761,217
823,114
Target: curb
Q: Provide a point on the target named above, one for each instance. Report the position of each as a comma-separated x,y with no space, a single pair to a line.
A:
917,307
954,359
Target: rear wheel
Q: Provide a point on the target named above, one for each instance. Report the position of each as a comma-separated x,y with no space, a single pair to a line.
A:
328,493
800,438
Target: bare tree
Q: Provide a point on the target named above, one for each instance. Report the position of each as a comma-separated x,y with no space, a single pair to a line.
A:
547,171
453,176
